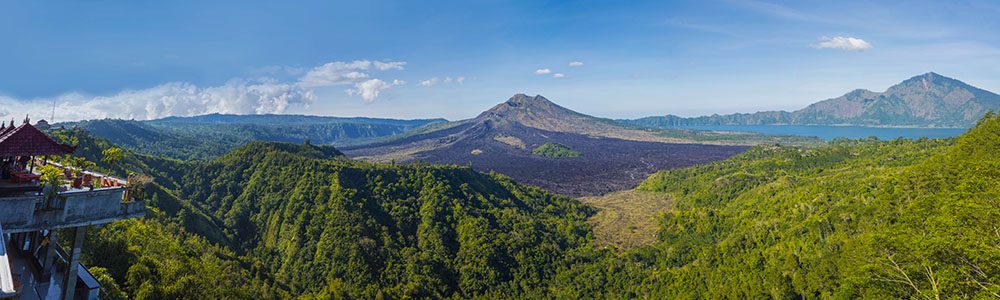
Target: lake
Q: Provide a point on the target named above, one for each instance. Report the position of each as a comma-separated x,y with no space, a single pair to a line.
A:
832,132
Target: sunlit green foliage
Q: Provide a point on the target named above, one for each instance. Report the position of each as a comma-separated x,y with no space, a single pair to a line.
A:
856,219
555,150
149,259
371,229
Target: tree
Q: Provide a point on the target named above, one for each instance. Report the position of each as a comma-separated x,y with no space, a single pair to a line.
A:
112,155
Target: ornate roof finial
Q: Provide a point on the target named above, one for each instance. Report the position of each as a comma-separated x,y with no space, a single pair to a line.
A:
26,119
11,122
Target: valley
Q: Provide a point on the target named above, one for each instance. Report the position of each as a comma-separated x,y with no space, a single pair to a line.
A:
772,221
404,150
480,208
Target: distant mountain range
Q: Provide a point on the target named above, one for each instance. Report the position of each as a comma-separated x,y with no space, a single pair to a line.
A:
606,156
928,100
284,120
208,136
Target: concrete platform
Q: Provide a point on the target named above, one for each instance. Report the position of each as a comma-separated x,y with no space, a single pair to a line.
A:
73,208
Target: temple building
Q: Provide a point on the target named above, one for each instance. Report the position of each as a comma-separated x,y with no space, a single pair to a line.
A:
35,208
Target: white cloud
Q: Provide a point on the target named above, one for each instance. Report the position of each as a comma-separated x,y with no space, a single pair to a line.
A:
576,64
558,75
543,71
369,89
429,82
843,43
339,72
392,65
436,80
237,96
170,99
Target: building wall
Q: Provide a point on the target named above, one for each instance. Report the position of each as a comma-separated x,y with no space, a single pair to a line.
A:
17,211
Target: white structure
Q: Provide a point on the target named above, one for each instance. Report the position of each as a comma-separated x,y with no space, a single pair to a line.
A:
6,278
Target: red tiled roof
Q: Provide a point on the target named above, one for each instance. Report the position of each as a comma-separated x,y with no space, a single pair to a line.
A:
27,140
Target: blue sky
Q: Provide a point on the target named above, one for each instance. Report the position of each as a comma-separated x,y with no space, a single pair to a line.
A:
422,59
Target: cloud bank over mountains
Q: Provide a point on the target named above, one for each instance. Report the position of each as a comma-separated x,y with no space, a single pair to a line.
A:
236,96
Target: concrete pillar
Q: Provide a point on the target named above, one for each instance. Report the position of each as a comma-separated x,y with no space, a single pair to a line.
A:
33,238
69,283
50,255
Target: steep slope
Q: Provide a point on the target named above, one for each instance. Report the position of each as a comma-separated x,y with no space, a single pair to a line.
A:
539,113
277,220
928,100
176,252
208,136
609,157
338,227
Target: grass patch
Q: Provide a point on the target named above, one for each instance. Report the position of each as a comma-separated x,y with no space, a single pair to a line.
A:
628,219
510,140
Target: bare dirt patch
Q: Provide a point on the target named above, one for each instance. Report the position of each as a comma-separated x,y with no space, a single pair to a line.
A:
513,141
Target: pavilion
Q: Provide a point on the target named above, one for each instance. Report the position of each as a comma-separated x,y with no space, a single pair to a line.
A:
19,146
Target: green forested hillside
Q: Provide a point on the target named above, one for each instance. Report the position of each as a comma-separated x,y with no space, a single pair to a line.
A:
366,230
177,251
851,219
868,219
271,220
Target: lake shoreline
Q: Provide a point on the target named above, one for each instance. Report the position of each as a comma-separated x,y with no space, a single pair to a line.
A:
830,132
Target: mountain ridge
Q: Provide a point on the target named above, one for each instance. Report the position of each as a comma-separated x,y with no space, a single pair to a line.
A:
926,100
208,136
285,119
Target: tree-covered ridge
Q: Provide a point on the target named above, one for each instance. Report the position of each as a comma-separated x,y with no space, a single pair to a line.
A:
366,230
857,219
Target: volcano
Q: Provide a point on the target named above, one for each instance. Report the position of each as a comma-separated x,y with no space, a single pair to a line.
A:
609,157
